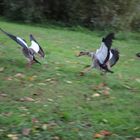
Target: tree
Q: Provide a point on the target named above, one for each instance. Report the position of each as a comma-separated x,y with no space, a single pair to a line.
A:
90,13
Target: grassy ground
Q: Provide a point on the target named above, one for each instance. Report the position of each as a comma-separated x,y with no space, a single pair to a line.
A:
52,102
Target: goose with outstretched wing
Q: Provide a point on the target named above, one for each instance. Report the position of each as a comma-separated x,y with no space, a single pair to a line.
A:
114,57
28,51
103,54
104,57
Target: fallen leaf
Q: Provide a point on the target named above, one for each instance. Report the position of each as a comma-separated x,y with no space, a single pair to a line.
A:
30,85
105,133
67,61
97,135
28,99
126,86
26,131
53,81
1,69
104,121
2,130
44,126
58,74
137,138
88,99
120,76
55,138
23,108
9,78
81,73
51,125
132,59
137,128
57,63
69,82
77,53
51,100
96,95
13,136
41,84
101,85
35,120
7,114
23,115
138,80
56,68
102,134
106,91
20,75
77,47
60,96
32,78
3,95
48,80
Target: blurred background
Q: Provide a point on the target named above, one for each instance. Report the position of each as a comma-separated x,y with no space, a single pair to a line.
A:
93,14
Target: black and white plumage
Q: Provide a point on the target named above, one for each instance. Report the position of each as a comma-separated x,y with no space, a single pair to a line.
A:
104,57
115,57
138,54
28,51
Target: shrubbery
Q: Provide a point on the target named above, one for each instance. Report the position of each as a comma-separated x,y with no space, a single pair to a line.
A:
90,13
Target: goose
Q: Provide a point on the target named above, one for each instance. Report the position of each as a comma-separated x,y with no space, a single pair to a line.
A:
28,51
138,54
104,58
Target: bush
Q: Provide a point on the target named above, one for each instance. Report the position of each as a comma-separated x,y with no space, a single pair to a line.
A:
103,14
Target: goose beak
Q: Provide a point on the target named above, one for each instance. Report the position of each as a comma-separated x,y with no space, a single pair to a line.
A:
77,54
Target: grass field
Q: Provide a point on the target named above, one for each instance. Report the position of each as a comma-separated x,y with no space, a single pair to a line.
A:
53,102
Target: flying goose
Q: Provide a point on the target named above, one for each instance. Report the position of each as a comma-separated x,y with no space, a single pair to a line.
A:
28,51
104,57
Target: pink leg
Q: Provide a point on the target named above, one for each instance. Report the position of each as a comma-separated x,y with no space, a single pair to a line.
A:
30,63
82,73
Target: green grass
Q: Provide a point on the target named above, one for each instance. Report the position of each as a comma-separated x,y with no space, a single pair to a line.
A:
64,106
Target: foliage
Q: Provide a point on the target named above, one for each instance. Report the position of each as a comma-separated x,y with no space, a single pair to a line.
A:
27,11
103,14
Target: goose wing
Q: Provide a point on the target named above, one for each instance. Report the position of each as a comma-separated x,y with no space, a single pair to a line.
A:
17,39
114,58
36,60
103,53
35,46
138,54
